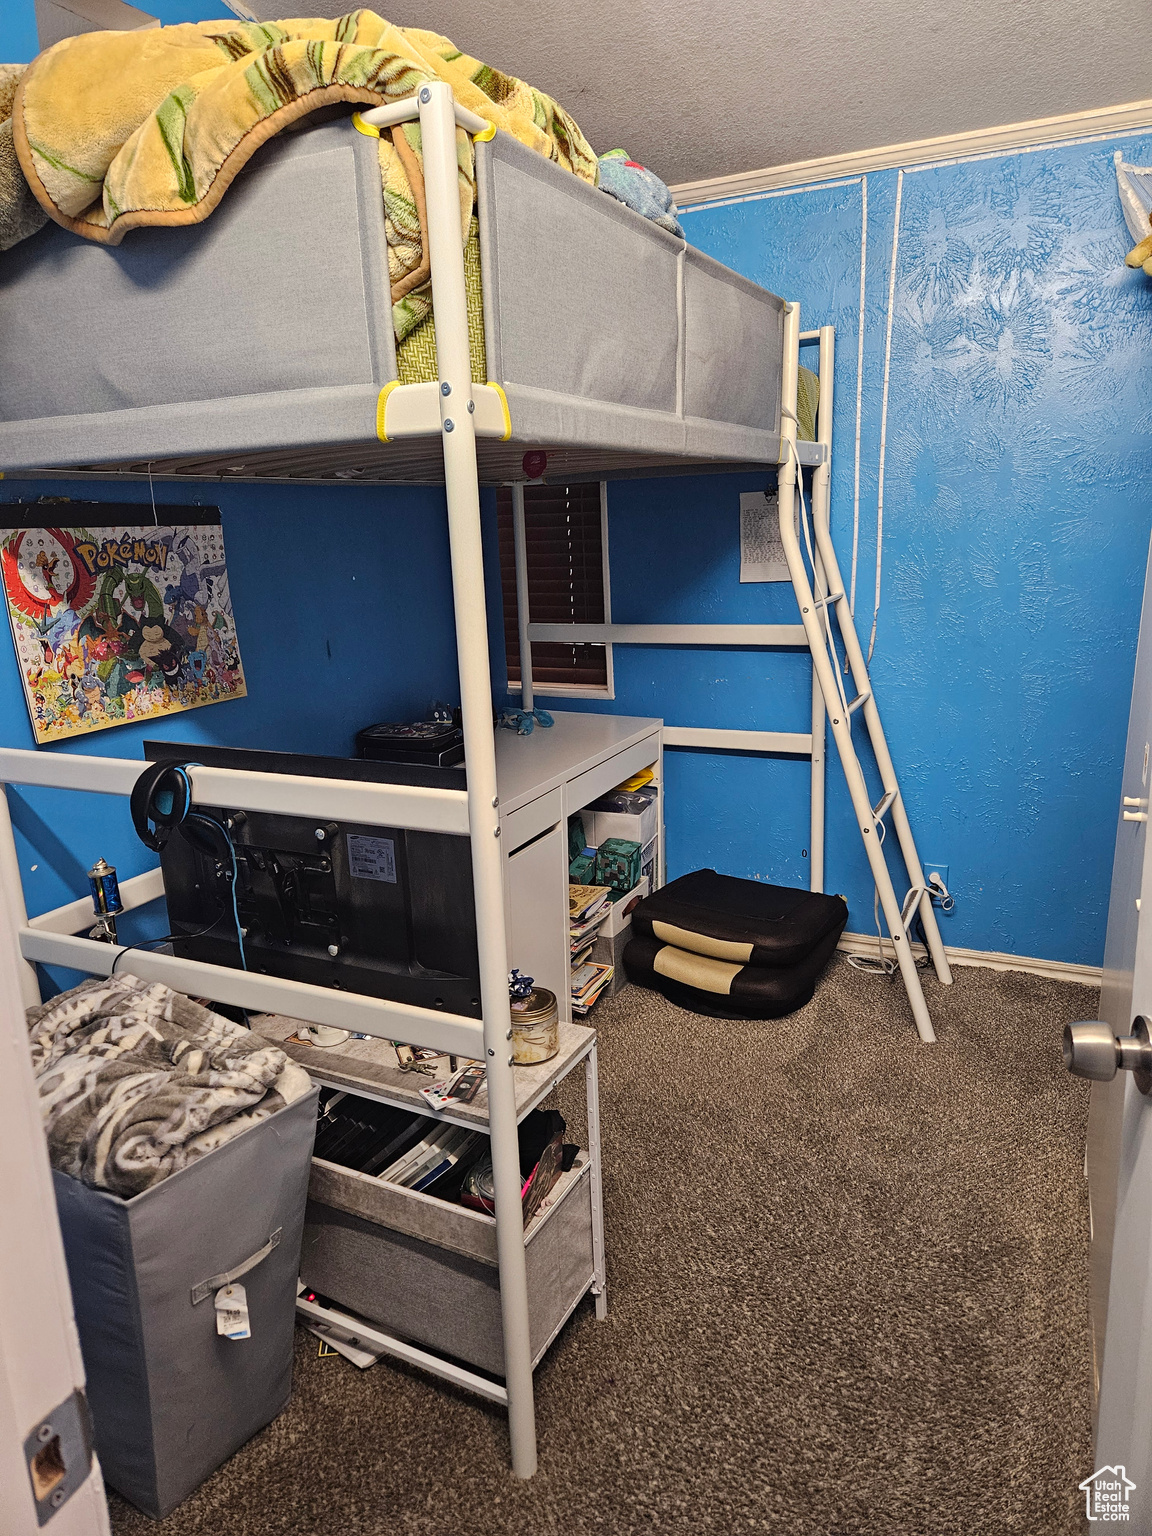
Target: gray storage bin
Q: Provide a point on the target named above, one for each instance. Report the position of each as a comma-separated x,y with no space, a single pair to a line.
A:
426,1269
609,950
170,1398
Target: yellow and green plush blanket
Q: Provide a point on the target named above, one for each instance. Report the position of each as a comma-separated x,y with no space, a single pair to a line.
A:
114,130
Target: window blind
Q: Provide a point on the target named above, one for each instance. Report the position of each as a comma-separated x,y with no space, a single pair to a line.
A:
564,538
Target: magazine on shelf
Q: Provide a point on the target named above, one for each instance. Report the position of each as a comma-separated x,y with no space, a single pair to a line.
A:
587,984
588,906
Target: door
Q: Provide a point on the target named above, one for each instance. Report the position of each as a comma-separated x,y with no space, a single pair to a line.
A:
1124,1413
1107,1108
49,1480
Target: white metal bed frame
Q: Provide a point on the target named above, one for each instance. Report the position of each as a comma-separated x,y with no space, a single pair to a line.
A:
459,411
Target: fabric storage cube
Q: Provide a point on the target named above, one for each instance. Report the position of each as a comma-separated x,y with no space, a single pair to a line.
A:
620,913
426,1269
609,950
170,1398
637,826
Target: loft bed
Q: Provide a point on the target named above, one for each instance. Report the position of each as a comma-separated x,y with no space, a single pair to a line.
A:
606,342
260,343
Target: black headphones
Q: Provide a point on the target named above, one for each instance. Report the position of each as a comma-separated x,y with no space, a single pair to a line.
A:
161,795
162,804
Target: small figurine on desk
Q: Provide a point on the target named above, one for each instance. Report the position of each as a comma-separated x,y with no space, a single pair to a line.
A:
519,985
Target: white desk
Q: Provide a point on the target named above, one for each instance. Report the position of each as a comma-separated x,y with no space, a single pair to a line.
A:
542,780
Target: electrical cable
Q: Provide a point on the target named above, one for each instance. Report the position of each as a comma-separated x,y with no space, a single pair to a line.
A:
210,821
232,878
168,937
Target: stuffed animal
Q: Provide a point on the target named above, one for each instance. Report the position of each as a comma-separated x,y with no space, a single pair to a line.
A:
641,189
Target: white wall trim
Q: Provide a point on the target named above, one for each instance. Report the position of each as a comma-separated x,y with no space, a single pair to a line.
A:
993,960
1042,130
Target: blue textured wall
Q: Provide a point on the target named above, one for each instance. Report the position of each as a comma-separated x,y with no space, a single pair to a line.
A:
1017,513
344,617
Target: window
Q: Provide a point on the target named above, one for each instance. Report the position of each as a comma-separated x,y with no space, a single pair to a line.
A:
567,543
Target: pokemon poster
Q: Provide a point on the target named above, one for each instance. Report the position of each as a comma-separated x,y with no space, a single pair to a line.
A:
118,621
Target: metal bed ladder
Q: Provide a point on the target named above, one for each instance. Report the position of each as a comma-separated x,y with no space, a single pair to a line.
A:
823,600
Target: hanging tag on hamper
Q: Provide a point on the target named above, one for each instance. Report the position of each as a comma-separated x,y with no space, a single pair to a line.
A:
232,1312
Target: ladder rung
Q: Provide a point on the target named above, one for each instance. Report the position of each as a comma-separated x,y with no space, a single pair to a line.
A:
824,602
881,806
911,905
861,698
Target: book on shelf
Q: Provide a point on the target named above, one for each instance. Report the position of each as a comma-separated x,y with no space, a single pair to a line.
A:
581,949
587,984
431,1157
584,901
588,906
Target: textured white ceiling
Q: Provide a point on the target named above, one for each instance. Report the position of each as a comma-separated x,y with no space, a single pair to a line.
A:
699,90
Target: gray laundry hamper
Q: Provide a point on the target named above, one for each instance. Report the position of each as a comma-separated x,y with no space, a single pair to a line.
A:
170,1398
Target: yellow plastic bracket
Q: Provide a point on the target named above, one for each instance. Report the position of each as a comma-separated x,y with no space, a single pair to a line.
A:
362,127
485,134
504,407
382,409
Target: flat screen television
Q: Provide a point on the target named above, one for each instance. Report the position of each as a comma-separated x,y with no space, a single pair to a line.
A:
379,910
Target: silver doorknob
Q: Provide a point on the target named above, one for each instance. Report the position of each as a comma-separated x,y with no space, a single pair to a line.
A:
1092,1049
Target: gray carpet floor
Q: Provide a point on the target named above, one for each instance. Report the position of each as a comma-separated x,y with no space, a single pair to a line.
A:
847,1294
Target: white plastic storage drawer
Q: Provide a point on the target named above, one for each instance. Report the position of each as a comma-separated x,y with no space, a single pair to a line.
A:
426,1269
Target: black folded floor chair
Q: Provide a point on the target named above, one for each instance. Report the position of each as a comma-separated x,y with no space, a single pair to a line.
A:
733,949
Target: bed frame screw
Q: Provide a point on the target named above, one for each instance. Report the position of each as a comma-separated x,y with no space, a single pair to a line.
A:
425,94
471,407
449,425
445,388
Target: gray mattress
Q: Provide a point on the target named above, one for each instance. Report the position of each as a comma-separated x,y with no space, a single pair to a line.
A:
257,344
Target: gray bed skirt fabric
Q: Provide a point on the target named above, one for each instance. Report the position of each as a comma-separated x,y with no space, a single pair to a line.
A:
266,332
170,1398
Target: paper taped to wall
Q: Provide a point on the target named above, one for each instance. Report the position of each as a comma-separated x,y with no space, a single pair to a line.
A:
761,552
